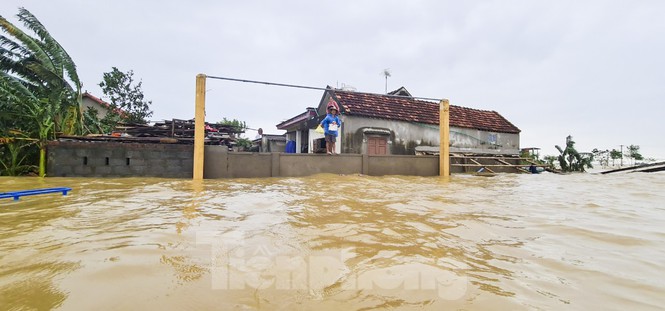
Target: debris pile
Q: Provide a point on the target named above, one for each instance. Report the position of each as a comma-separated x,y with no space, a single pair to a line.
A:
174,131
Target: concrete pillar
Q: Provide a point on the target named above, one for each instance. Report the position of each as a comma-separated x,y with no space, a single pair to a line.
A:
298,141
199,126
275,164
444,139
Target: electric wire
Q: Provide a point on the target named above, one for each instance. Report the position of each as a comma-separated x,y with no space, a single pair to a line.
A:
314,88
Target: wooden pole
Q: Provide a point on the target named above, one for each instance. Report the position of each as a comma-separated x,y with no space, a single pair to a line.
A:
199,126
444,139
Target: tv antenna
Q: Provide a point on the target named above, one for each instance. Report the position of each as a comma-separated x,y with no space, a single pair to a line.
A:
386,73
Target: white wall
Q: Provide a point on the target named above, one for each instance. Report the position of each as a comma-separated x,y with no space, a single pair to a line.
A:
462,139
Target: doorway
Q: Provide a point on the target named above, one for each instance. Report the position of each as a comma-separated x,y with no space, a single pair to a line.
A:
377,145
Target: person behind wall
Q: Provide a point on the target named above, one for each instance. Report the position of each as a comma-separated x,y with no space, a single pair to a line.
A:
330,126
533,169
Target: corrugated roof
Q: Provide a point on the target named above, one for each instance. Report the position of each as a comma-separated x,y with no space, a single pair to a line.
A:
413,110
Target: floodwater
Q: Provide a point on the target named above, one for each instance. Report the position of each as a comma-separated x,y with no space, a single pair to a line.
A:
330,242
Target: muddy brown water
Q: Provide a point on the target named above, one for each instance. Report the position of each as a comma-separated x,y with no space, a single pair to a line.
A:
330,242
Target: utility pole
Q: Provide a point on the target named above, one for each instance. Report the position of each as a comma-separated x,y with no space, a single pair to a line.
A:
621,164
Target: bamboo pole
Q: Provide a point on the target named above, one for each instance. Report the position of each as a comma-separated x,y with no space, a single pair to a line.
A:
199,126
444,139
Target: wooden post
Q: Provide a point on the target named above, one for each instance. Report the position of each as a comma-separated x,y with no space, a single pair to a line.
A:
444,139
199,126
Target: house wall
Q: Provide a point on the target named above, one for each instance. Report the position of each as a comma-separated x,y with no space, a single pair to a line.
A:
101,110
313,135
269,144
404,137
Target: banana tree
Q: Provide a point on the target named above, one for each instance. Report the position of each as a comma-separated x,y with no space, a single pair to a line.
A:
38,82
571,160
13,156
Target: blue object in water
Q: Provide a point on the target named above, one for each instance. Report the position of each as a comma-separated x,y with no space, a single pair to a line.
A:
22,193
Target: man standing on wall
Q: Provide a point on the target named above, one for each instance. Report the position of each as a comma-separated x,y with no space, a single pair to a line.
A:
331,124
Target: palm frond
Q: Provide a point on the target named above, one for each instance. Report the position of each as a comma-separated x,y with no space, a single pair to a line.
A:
15,89
26,40
61,59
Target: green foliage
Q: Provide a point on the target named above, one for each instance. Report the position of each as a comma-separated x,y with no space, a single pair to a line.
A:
101,126
126,98
603,156
15,156
572,161
634,153
238,126
528,154
549,159
244,143
615,154
40,92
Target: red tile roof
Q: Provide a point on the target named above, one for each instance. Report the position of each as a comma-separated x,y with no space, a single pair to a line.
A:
103,103
96,99
411,110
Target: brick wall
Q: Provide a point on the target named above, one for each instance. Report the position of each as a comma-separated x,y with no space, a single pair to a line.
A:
104,159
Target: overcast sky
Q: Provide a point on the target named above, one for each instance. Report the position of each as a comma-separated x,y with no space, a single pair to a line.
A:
591,69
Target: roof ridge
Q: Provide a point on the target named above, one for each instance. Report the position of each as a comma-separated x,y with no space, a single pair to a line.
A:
410,109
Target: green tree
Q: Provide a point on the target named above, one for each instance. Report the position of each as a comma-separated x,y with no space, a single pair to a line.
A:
13,159
633,152
126,98
615,154
529,156
235,125
40,92
549,159
603,156
571,160
244,143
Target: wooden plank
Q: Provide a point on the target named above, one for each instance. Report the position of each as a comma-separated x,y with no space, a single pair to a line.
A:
522,170
519,169
487,168
497,165
488,157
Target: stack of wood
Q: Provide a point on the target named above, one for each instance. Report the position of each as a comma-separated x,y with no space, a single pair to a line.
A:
175,131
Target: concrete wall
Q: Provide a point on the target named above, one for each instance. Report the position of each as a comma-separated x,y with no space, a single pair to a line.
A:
85,159
102,159
247,165
403,137
404,165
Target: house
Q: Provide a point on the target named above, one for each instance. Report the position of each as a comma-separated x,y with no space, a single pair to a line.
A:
398,124
299,129
91,101
269,143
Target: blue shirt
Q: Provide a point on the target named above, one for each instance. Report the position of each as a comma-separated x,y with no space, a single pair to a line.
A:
331,124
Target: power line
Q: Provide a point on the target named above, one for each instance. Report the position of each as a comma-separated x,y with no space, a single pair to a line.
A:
314,88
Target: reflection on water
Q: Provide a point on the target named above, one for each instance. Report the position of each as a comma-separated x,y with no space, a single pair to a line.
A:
330,242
